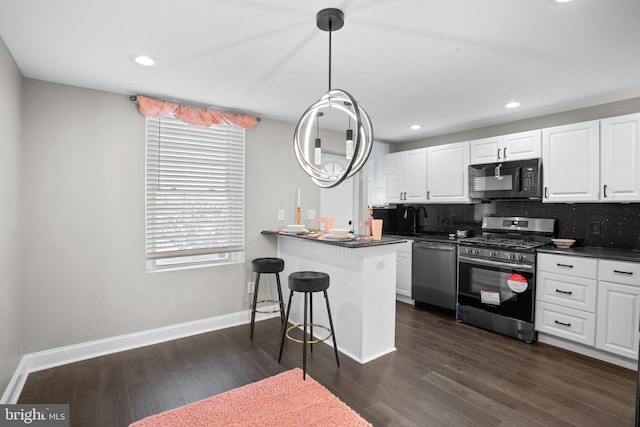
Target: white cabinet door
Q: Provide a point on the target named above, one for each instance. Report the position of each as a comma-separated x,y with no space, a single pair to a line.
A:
618,317
571,162
522,145
403,269
407,176
620,158
485,150
515,146
447,171
416,176
395,176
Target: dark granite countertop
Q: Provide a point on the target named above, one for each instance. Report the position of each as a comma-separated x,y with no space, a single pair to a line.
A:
444,238
354,244
632,255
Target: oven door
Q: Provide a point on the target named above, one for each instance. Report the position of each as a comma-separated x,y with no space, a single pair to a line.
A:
503,288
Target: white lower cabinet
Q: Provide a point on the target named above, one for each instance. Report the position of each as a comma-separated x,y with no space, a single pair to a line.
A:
594,302
566,297
618,308
567,323
403,269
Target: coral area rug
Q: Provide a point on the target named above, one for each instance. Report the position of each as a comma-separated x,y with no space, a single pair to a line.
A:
282,400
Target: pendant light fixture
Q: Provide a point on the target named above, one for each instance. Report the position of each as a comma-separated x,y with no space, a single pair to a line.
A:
357,144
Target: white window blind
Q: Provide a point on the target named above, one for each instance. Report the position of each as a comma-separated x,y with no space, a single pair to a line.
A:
194,191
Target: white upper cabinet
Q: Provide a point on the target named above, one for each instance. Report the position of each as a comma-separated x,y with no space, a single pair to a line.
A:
447,173
516,146
571,162
485,150
620,158
407,176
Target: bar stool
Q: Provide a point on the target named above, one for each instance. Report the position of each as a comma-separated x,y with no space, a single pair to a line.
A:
264,266
308,282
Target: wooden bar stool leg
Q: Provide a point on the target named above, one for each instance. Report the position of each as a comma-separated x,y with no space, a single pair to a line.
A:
284,327
333,334
255,302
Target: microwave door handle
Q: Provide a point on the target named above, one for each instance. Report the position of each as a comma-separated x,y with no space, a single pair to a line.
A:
518,178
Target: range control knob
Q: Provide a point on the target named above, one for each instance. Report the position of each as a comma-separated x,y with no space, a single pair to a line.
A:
512,256
493,253
476,251
520,257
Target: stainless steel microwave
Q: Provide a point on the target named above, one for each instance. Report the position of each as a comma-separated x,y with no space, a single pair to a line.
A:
521,179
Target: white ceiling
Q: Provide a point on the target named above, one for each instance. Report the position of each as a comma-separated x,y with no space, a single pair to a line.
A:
448,65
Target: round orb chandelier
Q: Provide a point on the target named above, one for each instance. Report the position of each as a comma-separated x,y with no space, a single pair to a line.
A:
307,143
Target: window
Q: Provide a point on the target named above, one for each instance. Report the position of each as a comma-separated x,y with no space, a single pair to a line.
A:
194,206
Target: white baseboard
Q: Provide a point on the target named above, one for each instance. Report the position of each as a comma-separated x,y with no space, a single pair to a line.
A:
405,299
46,359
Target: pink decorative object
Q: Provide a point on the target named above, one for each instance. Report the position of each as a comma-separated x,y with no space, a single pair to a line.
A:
195,116
376,229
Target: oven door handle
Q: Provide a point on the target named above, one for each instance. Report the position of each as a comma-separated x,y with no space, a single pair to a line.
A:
479,261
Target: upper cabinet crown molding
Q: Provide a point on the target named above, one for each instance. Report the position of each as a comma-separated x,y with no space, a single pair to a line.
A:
515,146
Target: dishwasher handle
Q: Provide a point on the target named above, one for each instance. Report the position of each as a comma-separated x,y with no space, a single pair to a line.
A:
436,246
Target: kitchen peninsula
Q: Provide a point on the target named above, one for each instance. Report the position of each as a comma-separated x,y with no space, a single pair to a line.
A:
361,293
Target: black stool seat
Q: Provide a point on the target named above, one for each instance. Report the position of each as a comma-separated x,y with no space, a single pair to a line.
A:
266,266
308,282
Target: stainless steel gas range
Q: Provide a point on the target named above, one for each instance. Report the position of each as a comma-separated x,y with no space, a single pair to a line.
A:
496,274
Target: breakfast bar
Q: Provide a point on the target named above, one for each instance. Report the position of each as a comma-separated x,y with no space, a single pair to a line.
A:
361,293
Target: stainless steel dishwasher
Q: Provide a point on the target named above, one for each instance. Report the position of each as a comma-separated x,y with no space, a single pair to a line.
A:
434,275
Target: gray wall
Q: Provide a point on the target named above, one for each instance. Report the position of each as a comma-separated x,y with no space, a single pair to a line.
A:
11,296
83,220
574,116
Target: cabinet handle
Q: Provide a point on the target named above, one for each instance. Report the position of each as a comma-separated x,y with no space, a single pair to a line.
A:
428,195
564,292
498,154
604,190
630,273
564,265
504,153
546,192
568,325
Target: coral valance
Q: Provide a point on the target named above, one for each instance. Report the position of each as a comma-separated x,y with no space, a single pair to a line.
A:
192,115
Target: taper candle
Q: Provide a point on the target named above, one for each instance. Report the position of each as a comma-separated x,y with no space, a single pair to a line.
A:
299,197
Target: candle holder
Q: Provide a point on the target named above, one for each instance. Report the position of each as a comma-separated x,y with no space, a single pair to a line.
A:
298,216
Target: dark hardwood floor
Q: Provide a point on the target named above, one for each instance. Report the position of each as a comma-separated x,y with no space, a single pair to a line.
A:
443,374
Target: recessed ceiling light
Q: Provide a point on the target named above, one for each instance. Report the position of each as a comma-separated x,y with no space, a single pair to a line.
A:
415,127
144,60
512,104
563,1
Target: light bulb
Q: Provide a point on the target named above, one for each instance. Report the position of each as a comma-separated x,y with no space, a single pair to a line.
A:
349,145
317,153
